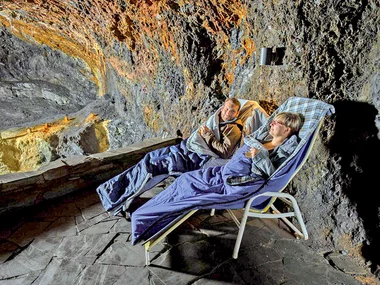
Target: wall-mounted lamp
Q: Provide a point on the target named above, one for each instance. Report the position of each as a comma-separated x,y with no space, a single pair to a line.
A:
272,56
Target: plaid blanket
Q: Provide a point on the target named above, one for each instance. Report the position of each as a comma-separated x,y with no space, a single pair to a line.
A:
312,112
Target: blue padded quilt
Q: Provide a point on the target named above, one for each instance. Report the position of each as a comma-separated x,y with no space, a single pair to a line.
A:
208,188
148,172
189,155
205,189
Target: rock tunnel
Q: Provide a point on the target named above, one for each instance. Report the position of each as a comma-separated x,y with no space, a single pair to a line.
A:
82,77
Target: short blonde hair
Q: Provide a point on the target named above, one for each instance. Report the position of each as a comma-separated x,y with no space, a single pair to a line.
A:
290,120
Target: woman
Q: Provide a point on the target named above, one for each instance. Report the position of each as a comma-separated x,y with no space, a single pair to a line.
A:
221,187
267,150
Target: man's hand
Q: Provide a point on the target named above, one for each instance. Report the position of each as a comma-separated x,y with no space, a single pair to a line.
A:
204,130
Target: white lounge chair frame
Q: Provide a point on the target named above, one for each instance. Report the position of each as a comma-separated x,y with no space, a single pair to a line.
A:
248,212
252,212
285,197
152,242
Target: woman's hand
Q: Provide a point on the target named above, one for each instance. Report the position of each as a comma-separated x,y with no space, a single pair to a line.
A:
254,151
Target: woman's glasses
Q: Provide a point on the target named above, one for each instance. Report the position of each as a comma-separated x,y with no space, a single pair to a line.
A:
277,123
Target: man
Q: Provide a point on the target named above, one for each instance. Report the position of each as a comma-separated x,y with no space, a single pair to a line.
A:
229,127
118,193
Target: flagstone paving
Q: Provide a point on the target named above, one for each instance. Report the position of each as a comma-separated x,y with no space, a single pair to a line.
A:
72,240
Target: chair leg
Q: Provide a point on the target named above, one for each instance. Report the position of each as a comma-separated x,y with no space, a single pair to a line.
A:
233,217
240,236
297,214
147,257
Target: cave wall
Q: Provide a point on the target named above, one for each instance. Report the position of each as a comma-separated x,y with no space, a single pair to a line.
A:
130,70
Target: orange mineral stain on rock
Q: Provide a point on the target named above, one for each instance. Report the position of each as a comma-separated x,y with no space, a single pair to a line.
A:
91,118
101,134
151,117
26,148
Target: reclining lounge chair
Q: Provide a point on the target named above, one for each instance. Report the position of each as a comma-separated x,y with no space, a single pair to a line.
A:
263,196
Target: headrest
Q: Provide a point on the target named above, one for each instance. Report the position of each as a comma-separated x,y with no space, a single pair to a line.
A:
312,111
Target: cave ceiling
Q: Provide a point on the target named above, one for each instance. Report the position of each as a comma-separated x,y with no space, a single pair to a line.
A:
102,32
123,70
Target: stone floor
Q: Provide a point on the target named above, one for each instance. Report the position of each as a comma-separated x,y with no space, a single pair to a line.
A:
72,240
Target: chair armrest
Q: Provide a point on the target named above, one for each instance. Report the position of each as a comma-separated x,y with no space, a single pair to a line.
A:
271,194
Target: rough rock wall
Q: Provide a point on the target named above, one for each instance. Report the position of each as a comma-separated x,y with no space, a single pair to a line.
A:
163,66
332,55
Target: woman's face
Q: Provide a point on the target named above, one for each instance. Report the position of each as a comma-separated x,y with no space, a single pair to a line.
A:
277,128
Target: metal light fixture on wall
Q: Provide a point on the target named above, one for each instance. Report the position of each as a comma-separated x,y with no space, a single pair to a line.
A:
272,56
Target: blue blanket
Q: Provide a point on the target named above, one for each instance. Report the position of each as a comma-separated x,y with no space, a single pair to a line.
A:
148,172
205,189
208,188
191,154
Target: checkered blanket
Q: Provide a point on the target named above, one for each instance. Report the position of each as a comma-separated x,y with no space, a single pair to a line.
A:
312,112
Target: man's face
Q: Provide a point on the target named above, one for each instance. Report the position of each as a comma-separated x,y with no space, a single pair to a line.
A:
229,111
